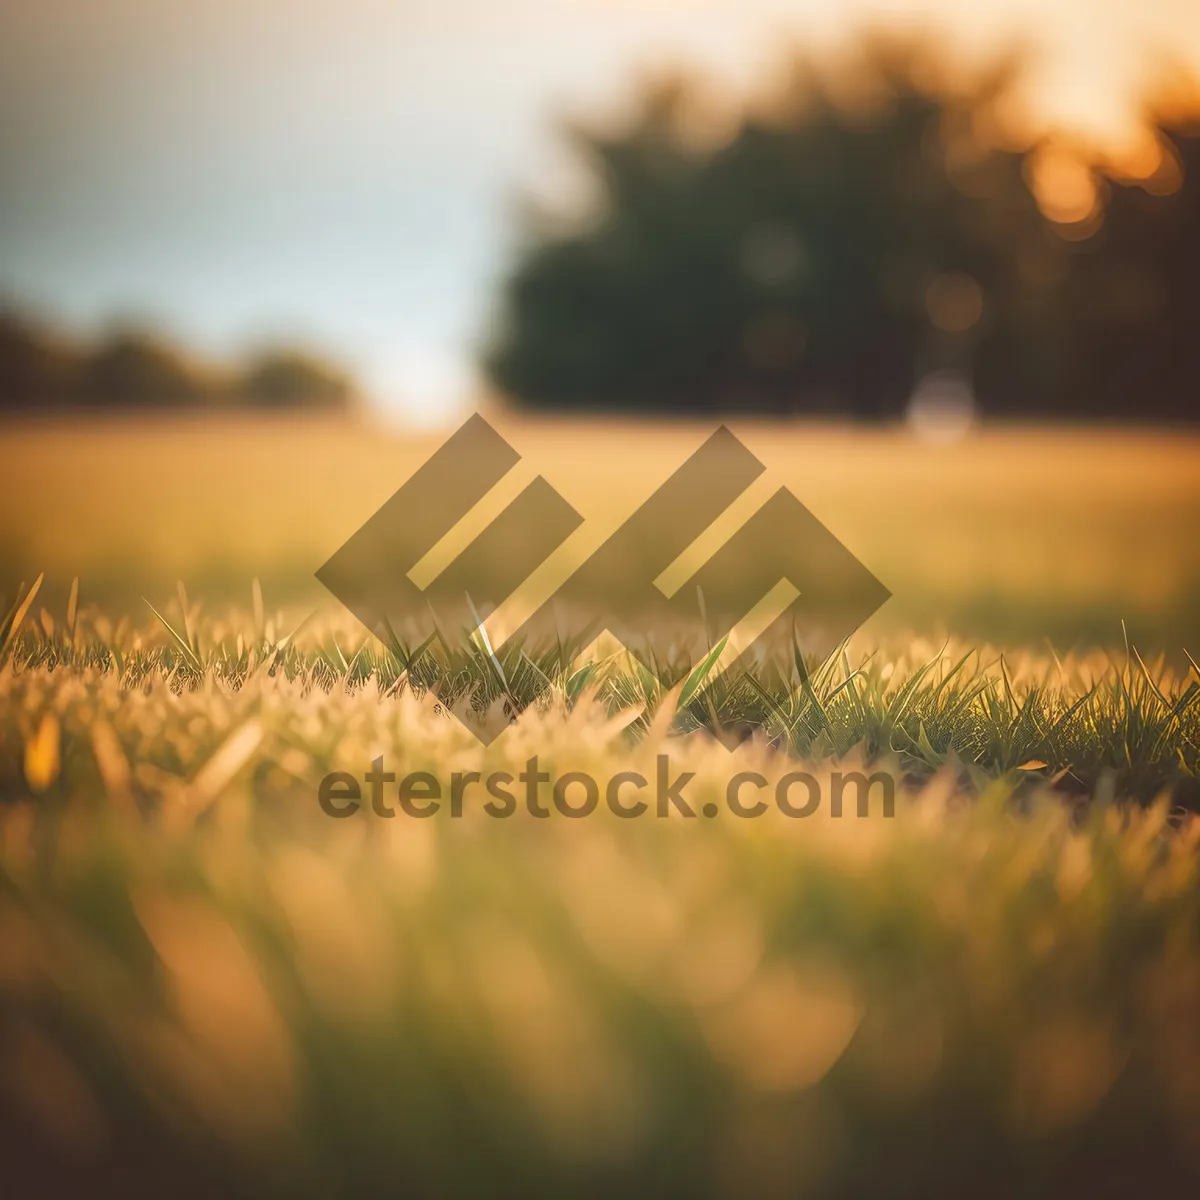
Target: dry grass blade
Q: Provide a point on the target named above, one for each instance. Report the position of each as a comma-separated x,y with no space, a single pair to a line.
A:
114,768
216,774
185,610
43,754
695,681
73,605
256,600
182,642
1192,663
14,626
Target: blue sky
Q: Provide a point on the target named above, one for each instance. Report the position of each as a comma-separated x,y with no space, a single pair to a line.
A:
346,171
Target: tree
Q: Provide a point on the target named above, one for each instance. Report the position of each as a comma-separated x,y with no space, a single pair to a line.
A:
135,370
138,370
822,259
35,369
1135,290
291,379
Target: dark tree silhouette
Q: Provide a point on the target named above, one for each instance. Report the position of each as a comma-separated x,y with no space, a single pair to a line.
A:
1135,292
42,372
135,370
292,379
829,255
822,259
35,369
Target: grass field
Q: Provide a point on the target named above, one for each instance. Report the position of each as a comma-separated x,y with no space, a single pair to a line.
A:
207,984
1011,535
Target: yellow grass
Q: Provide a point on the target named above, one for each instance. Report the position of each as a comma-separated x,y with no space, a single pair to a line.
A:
1011,533
197,964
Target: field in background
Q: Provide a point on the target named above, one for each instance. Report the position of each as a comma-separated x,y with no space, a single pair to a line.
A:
1011,535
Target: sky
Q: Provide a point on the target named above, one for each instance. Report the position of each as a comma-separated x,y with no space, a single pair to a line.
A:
348,172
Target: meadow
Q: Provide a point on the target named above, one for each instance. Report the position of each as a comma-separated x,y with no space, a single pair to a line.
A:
1011,535
207,984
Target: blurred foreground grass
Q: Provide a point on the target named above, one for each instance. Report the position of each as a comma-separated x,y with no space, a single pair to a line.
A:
1012,534
207,985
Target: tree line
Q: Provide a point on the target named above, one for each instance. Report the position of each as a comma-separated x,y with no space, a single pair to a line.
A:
43,371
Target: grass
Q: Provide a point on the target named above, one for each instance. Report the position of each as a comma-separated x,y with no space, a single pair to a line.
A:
206,983
1081,723
1011,536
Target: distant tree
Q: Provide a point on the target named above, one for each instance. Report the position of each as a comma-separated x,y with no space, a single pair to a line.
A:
822,259
36,370
292,379
1135,291
137,370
